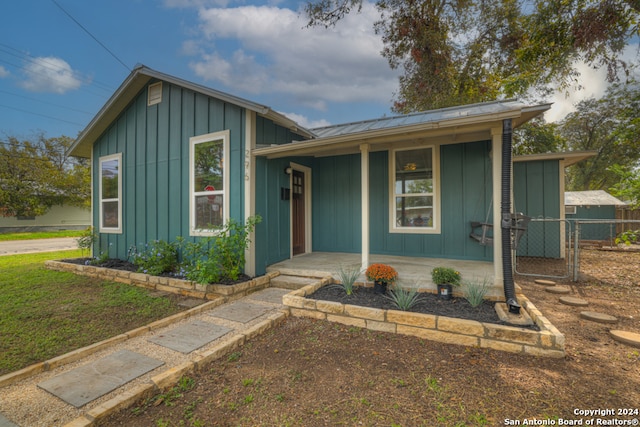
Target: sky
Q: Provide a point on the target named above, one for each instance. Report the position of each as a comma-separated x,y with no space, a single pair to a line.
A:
61,60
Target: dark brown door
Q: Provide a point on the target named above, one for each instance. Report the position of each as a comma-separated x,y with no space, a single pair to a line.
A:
297,206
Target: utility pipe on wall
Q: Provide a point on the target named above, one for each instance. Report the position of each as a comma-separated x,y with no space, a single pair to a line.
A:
506,223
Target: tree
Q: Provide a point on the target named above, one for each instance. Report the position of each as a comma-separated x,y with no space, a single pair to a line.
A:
611,127
461,51
536,137
34,176
628,186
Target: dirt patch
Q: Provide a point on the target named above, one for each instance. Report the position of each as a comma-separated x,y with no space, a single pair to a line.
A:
315,373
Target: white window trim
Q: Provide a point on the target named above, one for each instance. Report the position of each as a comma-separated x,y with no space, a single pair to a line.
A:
101,160
193,141
435,228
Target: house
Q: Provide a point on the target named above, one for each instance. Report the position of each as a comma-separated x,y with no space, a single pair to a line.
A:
593,205
404,186
59,217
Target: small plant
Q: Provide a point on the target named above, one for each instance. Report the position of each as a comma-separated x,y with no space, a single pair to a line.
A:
445,275
474,292
348,277
87,239
99,259
404,299
381,273
158,257
628,237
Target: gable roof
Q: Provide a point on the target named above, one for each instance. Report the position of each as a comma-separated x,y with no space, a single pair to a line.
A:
455,124
138,79
591,198
569,157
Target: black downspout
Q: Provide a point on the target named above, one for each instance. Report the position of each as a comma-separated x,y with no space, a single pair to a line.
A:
505,210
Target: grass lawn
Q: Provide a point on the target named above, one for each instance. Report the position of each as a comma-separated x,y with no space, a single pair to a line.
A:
47,313
40,235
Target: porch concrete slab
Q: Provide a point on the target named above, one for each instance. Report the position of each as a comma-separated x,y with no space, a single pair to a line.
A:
270,295
86,383
240,311
413,272
4,422
190,337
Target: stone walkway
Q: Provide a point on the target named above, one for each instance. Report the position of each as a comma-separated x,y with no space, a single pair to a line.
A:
143,362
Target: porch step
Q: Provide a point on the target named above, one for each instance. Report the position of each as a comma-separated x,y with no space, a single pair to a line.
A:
292,282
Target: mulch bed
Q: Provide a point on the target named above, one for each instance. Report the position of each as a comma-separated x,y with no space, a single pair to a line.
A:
429,304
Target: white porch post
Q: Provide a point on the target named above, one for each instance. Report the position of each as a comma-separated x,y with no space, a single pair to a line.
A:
496,159
364,197
250,189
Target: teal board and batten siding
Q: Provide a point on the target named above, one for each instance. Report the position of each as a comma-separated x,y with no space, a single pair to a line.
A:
466,194
154,142
465,175
536,193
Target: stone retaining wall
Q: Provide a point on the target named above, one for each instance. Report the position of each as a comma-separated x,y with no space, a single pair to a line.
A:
546,342
167,284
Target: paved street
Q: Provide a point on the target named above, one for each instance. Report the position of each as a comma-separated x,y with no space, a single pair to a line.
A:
43,245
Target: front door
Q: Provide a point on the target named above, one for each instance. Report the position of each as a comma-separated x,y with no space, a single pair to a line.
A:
297,212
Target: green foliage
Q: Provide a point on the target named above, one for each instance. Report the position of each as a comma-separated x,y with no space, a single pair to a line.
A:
157,257
35,175
222,257
348,277
628,186
536,137
475,292
4,237
87,239
404,299
461,52
628,237
445,275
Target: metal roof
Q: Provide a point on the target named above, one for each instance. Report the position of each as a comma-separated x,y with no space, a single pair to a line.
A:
444,114
591,198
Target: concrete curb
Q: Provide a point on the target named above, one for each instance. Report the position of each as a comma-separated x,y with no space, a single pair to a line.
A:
172,376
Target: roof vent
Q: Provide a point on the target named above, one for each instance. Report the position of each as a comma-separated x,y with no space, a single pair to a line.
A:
154,94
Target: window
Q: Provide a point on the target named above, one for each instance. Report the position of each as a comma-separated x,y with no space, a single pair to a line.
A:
413,190
111,193
208,182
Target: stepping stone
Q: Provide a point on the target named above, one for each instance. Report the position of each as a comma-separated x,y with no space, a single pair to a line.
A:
270,295
626,337
576,302
558,290
86,383
191,336
545,282
598,317
240,311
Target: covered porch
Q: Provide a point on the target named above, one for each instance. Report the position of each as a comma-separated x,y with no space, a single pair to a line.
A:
413,272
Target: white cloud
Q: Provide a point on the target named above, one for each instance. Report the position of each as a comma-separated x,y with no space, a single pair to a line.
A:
305,122
50,74
591,83
3,72
274,53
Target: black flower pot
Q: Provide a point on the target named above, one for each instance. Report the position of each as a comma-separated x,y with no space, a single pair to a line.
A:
379,287
445,290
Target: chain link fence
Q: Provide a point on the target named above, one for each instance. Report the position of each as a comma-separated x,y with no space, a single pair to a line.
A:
550,248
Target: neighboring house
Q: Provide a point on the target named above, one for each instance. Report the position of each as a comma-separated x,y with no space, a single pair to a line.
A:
593,205
59,217
170,157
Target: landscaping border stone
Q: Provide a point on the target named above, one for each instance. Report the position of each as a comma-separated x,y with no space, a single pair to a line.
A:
548,341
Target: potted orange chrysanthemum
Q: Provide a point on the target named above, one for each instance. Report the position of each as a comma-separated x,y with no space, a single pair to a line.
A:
381,275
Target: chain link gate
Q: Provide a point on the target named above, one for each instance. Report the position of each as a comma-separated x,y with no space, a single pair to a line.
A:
546,249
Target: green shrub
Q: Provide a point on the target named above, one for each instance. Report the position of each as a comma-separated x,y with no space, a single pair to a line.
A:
474,292
404,299
221,257
157,257
442,275
628,237
87,239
